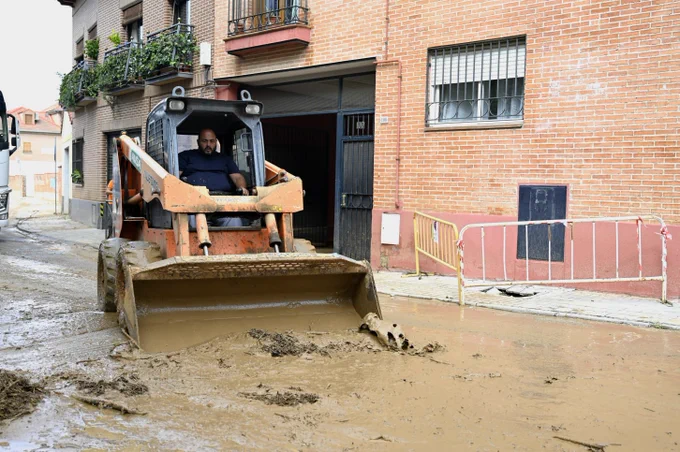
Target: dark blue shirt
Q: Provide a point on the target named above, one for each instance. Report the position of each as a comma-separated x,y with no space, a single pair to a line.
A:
209,170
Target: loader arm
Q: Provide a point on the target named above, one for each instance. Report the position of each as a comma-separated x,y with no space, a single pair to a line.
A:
177,196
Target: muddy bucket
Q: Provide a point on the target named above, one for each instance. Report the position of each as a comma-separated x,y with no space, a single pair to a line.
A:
184,301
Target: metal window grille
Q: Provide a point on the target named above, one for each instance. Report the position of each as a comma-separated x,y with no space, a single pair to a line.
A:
250,16
482,81
154,142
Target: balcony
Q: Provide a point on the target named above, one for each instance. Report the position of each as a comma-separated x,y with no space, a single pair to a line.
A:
122,69
256,24
79,87
169,55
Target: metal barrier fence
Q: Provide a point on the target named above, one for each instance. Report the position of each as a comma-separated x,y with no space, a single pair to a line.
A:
570,224
437,239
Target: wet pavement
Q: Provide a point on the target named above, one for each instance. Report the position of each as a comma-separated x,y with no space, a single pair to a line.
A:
505,380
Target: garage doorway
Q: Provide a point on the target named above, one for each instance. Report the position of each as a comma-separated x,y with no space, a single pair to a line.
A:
305,147
322,131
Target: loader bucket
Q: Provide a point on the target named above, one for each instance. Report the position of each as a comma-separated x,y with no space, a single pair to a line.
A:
184,301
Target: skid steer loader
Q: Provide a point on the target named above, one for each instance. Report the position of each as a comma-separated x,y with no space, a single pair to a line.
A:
176,281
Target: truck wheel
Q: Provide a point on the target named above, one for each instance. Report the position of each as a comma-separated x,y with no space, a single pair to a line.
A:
304,246
106,273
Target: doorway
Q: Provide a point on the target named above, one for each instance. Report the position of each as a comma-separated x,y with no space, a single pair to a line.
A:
305,147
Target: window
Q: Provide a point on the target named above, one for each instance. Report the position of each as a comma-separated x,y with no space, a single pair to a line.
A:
135,31
77,168
27,147
92,32
29,119
476,82
181,12
80,49
132,21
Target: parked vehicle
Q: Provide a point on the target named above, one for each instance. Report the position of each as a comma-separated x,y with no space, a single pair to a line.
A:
9,141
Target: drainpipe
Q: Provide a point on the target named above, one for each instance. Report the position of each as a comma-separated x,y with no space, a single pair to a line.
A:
386,61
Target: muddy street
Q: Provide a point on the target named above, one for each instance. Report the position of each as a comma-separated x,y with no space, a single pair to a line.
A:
502,381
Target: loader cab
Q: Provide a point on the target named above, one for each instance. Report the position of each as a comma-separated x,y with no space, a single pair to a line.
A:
173,127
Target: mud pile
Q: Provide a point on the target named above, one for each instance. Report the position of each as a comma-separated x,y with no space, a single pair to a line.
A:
17,395
285,398
127,385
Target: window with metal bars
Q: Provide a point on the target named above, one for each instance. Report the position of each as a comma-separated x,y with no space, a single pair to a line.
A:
476,82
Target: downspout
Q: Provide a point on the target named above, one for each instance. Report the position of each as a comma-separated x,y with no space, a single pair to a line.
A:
386,61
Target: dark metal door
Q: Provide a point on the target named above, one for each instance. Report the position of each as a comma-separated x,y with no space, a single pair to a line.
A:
355,185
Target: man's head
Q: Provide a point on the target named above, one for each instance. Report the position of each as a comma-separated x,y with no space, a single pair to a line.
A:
207,141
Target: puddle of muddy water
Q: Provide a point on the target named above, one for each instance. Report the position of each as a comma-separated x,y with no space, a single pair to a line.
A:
504,381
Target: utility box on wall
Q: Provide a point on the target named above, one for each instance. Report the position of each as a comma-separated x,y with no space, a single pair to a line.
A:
389,231
542,202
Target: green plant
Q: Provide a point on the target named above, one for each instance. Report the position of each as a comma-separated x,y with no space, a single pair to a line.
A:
81,82
76,177
112,72
92,49
169,50
114,37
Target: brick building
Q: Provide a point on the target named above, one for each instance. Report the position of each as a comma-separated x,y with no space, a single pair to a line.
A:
125,105
476,111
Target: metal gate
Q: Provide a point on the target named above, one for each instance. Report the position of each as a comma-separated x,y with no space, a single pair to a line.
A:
355,185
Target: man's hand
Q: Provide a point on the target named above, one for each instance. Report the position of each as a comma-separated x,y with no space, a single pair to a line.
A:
240,182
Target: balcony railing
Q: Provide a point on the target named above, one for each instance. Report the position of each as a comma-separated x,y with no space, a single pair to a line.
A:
122,69
80,86
251,16
169,54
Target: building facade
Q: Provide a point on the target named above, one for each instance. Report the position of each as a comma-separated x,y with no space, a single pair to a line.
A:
471,112
37,159
128,93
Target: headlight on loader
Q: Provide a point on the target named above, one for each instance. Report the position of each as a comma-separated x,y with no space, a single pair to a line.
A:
253,109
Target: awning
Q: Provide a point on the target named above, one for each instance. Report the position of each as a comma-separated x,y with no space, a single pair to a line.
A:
304,73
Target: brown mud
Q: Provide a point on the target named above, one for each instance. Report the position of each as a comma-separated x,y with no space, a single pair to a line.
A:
503,381
18,396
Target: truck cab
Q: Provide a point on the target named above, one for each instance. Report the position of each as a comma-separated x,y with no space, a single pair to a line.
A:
9,141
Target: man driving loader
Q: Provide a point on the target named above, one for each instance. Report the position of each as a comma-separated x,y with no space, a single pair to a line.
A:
216,171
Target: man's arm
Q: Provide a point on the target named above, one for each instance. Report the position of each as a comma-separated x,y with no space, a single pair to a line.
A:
240,182
183,161
236,177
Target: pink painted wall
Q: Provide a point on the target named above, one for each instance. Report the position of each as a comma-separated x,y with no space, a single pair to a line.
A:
403,256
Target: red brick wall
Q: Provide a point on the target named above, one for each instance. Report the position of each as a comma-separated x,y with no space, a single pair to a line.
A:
601,112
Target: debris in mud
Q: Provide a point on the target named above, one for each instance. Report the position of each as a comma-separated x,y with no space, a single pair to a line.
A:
127,385
389,334
281,399
477,355
103,403
278,345
222,364
282,344
590,446
18,396
382,438
429,348
551,380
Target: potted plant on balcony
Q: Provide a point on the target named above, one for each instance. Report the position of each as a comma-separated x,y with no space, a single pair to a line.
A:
92,49
79,87
122,66
170,51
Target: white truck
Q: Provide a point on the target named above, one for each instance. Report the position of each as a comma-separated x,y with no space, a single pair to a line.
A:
9,140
